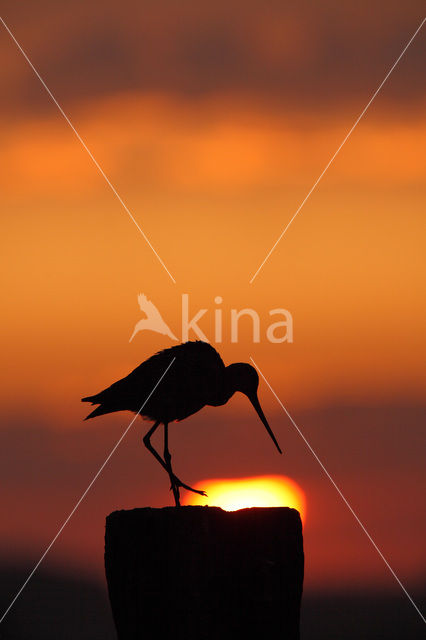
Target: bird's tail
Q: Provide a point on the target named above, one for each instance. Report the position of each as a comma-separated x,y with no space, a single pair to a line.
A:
91,399
99,411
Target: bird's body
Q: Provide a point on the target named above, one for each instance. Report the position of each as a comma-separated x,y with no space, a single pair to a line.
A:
196,376
196,379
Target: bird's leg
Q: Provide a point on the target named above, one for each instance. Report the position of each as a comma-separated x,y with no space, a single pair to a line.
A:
148,445
173,479
176,483
168,461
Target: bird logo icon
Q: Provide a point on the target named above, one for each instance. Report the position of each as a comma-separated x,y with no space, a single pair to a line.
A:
153,320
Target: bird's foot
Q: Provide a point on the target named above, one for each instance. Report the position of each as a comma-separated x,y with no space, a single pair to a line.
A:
182,485
174,487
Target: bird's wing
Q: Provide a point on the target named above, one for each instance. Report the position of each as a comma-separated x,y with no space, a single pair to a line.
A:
190,383
169,332
148,307
197,369
193,353
154,316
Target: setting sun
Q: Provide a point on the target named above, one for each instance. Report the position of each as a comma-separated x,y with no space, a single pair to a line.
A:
241,493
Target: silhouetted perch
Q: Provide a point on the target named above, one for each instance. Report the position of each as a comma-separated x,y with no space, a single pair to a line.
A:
200,573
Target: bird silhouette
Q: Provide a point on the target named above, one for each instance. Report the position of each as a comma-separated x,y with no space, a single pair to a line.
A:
153,320
197,377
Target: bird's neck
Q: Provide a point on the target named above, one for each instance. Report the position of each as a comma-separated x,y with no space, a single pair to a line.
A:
222,393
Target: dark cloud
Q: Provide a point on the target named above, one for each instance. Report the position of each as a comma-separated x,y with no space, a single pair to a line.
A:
305,55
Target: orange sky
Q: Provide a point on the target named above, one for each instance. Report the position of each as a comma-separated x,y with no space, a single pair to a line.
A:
215,190
213,156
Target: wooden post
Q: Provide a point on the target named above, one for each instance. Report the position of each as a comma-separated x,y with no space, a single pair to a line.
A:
200,573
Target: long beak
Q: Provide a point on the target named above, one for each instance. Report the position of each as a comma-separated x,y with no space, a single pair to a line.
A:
256,404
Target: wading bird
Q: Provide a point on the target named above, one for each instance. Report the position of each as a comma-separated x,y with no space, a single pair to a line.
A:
197,377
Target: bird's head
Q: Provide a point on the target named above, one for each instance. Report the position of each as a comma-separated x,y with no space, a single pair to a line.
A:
243,377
